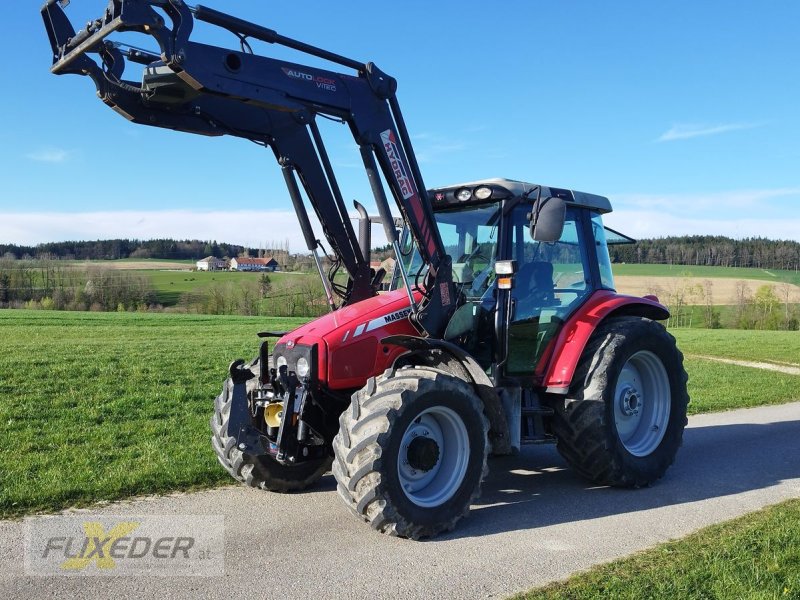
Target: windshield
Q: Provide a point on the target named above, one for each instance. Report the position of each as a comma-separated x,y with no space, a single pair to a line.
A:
469,235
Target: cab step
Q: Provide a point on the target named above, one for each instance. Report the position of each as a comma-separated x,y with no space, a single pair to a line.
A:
538,440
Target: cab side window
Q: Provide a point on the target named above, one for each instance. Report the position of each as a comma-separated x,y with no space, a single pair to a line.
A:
552,280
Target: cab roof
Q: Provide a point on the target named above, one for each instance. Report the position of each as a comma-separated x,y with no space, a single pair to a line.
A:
518,188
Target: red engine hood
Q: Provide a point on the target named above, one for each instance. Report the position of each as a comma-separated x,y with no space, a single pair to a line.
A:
333,325
349,338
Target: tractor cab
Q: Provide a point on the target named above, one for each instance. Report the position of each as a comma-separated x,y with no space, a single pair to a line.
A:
516,291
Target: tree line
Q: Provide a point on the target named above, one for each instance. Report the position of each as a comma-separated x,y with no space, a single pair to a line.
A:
691,303
713,251
50,284
117,249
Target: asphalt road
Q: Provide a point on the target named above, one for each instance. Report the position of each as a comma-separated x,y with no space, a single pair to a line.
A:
536,522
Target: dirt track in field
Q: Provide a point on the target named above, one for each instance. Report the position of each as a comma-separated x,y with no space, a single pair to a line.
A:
788,368
723,291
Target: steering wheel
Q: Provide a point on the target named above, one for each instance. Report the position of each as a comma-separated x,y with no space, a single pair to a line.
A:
472,255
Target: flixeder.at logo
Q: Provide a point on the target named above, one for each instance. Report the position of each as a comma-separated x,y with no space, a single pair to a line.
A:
97,545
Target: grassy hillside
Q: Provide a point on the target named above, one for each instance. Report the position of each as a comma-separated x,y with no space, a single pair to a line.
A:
171,285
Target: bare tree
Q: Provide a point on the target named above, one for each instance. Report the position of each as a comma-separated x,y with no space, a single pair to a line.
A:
711,314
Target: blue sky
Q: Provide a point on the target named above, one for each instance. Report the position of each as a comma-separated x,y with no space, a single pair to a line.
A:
685,114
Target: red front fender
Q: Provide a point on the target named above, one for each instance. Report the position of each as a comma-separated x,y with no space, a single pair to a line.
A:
561,357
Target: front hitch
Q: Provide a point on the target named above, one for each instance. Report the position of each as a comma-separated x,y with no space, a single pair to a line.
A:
294,394
240,424
247,409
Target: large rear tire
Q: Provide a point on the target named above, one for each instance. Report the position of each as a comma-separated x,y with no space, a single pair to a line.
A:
622,422
262,472
411,452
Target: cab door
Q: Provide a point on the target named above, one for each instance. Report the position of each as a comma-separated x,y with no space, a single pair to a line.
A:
552,280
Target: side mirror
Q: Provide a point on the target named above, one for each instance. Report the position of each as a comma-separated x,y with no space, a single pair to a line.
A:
547,219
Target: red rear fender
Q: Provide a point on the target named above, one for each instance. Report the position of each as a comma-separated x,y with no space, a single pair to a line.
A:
562,355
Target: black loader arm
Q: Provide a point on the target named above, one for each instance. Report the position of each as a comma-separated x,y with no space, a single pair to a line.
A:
210,90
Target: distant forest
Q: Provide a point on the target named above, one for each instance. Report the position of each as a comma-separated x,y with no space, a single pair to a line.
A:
713,251
716,251
116,249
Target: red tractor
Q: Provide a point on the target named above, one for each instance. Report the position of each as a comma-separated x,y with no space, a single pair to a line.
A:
502,326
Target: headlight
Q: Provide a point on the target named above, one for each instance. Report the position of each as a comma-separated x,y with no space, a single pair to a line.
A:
302,367
298,359
483,193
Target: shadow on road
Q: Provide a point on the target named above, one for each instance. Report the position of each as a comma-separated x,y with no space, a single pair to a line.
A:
537,488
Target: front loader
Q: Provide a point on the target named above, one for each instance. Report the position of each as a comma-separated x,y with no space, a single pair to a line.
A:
502,327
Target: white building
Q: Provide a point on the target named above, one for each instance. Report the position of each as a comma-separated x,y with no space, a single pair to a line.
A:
210,263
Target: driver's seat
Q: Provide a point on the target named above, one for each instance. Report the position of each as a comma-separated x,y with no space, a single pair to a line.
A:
535,283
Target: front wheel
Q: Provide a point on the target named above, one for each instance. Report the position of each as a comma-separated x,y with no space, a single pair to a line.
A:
411,451
623,419
262,472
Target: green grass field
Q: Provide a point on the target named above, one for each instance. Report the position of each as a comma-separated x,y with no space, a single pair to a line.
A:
702,272
755,556
100,406
171,285
766,346
716,386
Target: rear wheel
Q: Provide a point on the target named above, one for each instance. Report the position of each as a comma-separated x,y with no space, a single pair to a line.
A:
262,472
623,420
411,451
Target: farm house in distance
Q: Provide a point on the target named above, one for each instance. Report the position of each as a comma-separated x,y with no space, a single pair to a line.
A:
210,263
254,264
